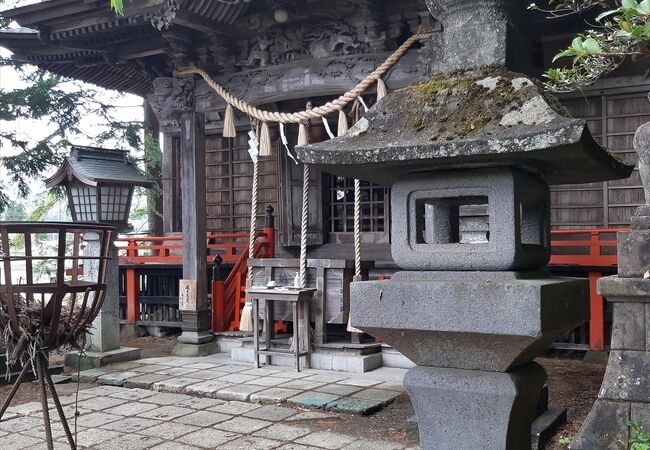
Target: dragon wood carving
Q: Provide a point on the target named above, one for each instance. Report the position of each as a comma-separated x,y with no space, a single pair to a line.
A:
280,45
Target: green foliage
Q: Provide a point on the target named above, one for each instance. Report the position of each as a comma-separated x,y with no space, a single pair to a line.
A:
623,29
564,441
117,6
153,162
14,212
640,439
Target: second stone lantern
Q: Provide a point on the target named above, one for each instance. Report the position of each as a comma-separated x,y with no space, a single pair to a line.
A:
469,154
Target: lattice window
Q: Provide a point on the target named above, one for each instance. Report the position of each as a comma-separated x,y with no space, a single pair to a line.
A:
374,209
86,198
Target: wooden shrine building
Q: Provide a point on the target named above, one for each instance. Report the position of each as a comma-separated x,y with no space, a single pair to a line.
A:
281,55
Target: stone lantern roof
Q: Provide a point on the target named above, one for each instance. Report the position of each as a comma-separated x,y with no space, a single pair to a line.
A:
92,165
469,118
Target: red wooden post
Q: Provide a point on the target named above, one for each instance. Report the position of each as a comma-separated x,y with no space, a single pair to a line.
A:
597,315
280,326
218,306
132,247
132,313
234,325
269,231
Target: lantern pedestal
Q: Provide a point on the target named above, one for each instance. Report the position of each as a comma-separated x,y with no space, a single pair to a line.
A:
103,339
449,402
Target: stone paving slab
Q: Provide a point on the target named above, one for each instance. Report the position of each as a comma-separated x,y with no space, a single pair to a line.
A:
327,439
145,381
313,399
182,422
216,377
272,413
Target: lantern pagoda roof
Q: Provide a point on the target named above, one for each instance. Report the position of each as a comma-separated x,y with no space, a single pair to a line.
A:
93,166
488,117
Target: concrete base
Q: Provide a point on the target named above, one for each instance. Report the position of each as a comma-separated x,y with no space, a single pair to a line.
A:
392,358
230,340
94,360
596,357
132,331
323,361
203,349
460,409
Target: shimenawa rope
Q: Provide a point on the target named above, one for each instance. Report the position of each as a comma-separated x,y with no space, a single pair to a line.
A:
315,113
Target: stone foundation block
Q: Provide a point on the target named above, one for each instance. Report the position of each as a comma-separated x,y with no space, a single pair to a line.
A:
460,409
633,253
203,349
629,327
94,360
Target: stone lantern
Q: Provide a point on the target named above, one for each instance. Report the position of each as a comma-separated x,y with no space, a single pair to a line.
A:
469,154
99,184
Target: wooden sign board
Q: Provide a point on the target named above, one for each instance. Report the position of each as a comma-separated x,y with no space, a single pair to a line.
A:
187,294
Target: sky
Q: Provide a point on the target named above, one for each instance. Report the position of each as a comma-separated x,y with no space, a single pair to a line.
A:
128,108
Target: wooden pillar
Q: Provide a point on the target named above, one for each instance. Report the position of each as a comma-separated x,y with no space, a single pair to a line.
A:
173,102
168,185
195,314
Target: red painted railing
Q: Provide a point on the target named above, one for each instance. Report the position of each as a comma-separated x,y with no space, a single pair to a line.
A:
584,248
228,296
168,249
593,251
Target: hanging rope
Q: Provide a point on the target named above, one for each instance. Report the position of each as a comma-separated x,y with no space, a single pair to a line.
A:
253,230
303,225
357,230
315,113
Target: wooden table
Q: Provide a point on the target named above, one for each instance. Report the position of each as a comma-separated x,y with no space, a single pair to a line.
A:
299,299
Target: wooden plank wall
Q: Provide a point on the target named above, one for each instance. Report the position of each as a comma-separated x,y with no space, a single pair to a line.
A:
613,120
229,179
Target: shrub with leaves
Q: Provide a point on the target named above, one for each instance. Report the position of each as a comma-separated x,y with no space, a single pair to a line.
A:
623,29
640,439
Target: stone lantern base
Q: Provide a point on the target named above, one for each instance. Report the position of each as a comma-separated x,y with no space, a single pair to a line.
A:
493,406
473,336
625,393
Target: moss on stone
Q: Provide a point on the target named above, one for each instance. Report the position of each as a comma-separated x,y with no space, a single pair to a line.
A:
459,104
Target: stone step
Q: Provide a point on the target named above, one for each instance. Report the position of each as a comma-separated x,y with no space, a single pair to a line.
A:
319,360
392,358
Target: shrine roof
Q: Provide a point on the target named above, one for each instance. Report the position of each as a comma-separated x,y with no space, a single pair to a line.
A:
87,41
